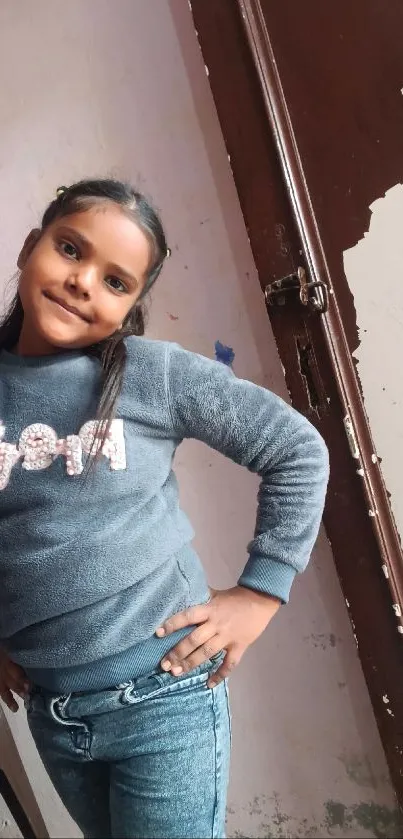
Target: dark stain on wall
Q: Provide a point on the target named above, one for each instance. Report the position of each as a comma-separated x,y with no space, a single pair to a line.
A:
365,819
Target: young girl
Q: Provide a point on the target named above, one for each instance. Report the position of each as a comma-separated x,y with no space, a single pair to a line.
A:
107,624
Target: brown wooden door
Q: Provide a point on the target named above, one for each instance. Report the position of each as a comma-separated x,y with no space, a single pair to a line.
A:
281,77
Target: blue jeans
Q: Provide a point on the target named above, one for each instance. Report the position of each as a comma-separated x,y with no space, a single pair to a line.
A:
147,759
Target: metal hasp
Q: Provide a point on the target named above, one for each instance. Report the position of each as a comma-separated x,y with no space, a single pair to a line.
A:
313,294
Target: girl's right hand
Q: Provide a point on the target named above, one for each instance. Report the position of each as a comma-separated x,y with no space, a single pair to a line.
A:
12,680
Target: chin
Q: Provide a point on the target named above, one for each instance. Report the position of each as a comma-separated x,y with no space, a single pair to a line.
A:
61,337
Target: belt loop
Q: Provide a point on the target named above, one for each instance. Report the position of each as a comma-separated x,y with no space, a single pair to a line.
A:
57,709
128,695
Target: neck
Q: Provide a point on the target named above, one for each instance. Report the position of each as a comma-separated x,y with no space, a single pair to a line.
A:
31,344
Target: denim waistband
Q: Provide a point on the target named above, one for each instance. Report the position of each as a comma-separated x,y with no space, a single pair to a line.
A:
81,704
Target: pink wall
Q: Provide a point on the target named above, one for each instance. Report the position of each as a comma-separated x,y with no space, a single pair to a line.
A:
96,87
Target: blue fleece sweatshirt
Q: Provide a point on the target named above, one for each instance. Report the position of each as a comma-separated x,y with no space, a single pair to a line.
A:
92,562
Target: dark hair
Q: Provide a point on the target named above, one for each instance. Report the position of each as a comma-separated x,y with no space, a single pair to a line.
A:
112,351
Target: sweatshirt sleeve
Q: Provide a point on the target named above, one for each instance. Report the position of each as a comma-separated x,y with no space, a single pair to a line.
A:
256,429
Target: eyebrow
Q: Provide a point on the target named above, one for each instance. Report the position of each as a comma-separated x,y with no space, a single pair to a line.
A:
84,242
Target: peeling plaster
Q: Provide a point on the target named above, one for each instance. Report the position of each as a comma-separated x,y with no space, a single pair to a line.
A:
373,269
363,819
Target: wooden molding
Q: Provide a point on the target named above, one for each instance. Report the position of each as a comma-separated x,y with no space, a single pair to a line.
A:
13,767
348,387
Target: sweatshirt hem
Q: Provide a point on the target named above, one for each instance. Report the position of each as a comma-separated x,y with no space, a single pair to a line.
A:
113,670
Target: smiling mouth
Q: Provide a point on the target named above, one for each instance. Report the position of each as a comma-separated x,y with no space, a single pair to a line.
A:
66,307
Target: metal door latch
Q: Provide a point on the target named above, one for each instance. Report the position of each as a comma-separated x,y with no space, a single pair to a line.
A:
313,294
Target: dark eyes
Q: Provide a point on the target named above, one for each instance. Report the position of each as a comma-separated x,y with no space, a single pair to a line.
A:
70,250
115,283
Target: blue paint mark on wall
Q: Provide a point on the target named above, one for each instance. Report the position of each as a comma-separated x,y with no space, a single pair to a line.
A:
224,354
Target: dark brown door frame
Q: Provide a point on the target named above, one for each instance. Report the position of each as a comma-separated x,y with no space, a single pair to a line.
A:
339,353
263,151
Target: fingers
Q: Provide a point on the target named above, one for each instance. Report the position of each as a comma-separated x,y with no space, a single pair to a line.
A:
198,656
18,687
189,617
200,636
16,680
13,681
224,671
8,699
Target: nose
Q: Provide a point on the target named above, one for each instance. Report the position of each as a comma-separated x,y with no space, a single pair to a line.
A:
81,282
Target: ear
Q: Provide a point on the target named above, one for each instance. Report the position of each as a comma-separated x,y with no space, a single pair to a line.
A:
28,247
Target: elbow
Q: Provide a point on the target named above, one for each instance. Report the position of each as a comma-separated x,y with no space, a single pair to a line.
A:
311,451
319,453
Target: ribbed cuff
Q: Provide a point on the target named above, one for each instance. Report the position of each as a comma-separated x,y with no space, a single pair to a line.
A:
268,576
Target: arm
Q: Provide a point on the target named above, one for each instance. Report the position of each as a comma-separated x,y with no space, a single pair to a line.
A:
256,429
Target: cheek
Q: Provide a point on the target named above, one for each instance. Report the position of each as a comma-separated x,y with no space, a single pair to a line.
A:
35,274
26,287
114,311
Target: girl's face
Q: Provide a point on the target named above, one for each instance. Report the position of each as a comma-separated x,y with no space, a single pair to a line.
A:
80,278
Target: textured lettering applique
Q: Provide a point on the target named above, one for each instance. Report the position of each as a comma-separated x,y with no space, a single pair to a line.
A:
39,446
8,457
114,446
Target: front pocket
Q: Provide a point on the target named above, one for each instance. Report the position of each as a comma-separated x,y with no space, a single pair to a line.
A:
218,658
33,703
28,702
161,684
189,681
